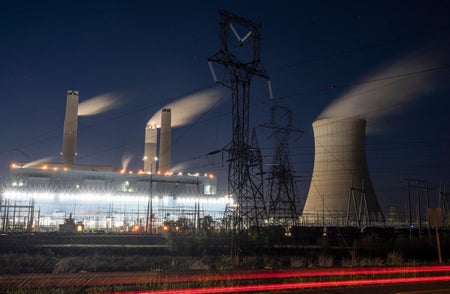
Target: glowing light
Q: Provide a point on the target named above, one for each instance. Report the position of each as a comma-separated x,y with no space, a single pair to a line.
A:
349,273
300,285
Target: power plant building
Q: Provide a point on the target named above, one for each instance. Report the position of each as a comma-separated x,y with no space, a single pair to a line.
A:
341,191
107,200
42,196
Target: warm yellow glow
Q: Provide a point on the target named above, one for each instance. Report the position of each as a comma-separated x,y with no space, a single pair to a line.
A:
13,165
122,171
44,167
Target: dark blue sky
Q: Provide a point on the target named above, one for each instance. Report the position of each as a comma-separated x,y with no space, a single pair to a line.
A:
149,53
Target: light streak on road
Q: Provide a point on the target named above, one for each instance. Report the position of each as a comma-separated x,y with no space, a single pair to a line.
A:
334,273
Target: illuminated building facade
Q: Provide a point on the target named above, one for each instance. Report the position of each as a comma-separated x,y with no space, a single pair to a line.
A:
101,199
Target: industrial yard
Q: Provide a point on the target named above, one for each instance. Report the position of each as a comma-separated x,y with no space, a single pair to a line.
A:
145,148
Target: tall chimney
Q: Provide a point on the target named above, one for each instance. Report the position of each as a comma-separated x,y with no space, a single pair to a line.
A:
69,147
150,148
164,140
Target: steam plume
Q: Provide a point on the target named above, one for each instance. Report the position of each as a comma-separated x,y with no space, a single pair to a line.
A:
38,162
97,104
188,108
387,90
126,158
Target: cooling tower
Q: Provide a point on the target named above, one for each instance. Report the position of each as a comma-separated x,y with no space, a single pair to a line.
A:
341,192
164,140
69,147
150,149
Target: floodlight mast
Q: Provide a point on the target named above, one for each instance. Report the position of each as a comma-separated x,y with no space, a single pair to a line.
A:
245,182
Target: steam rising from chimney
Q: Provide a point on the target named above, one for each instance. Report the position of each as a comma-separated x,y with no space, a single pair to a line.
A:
38,162
386,91
187,109
126,158
184,111
97,104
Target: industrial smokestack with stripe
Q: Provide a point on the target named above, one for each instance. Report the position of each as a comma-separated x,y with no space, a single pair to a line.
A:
164,140
151,137
69,147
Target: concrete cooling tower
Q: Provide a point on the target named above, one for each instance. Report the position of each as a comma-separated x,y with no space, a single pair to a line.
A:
341,192
70,129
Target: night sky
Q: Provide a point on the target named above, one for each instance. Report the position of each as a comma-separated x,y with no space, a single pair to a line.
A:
146,54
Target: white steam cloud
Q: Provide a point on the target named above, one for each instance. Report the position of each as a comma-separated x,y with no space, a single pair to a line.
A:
97,104
188,108
388,90
126,158
38,162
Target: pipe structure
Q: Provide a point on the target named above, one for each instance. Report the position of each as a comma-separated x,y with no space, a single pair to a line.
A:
69,147
341,188
165,140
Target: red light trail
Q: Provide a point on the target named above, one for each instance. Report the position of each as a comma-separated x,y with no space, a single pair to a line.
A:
309,284
293,286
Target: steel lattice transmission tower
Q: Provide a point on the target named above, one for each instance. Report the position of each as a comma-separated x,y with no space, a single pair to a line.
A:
283,201
241,58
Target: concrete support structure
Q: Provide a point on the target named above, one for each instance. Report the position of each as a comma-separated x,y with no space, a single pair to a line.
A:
69,148
340,168
151,138
165,141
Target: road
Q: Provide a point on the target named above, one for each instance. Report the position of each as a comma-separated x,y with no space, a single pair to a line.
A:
405,280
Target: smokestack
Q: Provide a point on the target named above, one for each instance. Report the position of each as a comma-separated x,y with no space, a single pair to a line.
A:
150,149
70,129
164,140
341,189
